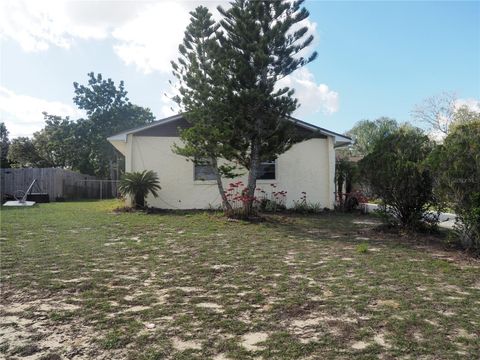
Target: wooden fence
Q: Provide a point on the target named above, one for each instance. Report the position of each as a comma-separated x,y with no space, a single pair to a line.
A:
58,183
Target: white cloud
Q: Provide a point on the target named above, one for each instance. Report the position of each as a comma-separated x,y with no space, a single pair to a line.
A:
145,34
22,114
313,97
471,104
37,25
150,40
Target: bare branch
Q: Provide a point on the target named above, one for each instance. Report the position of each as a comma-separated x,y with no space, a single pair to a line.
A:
437,111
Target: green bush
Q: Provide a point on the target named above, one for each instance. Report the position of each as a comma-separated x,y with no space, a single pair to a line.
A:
139,185
456,165
303,206
397,174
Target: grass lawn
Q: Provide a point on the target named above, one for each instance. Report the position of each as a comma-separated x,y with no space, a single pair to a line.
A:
80,281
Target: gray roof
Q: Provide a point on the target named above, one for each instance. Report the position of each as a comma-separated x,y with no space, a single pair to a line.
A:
340,140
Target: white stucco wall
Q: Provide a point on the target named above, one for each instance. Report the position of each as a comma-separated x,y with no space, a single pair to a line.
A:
308,166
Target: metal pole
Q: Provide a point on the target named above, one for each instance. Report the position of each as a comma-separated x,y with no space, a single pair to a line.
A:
101,188
24,198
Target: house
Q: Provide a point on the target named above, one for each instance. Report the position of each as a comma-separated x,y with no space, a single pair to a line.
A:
308,166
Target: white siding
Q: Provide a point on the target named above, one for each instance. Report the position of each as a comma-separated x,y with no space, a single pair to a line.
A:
308,166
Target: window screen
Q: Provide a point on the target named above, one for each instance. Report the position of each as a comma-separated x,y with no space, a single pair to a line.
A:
204,171
266,171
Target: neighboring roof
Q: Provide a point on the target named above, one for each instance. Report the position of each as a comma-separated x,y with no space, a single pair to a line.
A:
340,140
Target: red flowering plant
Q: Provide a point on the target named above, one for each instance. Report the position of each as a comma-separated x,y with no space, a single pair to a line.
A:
237,196
272,201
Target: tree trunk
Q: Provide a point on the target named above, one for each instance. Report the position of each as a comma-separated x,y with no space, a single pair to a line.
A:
348,184
252,176
340,181
226,204
139,201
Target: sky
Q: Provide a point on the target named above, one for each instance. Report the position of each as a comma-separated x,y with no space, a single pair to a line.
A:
374,59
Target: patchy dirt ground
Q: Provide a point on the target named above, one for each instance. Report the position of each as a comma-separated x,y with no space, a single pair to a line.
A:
82,282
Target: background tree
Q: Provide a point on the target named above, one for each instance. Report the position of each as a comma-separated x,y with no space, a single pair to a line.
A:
261,43
396,173
56,143
4,143
464,115
456,165
23,153
108,111
437,112
82,145
366,133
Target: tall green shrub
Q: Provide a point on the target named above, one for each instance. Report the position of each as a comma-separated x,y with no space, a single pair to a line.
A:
396,173
456,165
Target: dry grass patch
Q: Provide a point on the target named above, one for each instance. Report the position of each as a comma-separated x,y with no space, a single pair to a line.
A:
91,283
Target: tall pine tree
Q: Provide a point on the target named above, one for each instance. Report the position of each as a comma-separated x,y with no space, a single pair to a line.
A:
228,78
262,41
202,96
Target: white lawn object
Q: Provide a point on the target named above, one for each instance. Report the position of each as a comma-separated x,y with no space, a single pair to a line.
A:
22,200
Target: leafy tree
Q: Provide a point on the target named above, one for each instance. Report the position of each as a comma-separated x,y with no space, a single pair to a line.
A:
139,185
108,111
464,115
396,173
202,97
82,144
56,143
456,165
261,43
4,143
23,153
366,133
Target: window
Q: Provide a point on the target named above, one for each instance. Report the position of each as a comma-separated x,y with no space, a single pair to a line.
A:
266,171
204,171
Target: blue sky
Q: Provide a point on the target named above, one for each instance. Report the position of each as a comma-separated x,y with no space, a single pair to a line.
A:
375,58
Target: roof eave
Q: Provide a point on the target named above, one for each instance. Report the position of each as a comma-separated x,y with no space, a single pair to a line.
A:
118,137
339,139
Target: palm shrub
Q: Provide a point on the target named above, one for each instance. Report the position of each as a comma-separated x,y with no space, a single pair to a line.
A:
138,185
397,174
456,165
